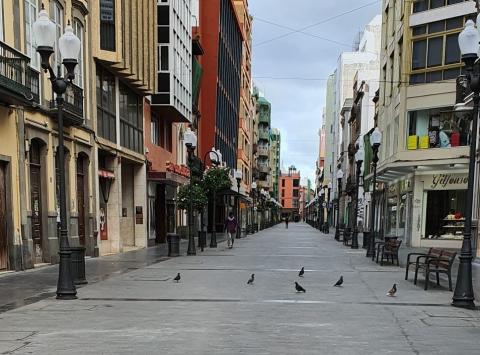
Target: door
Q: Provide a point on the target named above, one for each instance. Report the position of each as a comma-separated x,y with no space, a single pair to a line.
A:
36,200
81,200
3,219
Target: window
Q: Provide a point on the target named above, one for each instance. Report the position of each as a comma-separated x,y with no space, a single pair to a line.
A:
154,129
79,31
437,128
423,5
295,193
107,25
1,20
131,119
435,51
106,125
283,183
57,19
296,182
30,17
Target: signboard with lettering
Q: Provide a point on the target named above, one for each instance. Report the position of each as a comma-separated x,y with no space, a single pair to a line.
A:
181,170
446,182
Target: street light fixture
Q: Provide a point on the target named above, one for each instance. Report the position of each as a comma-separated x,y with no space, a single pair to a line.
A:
322,211
359,158
468,41
375,141
339,180
238,176
44,31
216,159
191,143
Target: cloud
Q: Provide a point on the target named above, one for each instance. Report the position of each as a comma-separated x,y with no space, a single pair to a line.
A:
297,105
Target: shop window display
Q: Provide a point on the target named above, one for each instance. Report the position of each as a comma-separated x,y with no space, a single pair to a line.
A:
437,128
445,214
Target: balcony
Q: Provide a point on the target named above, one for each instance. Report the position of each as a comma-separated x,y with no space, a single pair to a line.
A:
19,84
264,134
265,169
262,151
73,107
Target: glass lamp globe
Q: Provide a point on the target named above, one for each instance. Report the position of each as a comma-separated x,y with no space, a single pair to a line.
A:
44,33
376,137
238,174
339,174
254,185
468,41
190,138
360,155
213,156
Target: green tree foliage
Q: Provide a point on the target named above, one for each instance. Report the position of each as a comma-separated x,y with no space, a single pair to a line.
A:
217,179
194,194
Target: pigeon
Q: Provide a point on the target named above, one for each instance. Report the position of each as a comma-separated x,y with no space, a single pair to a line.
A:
251,279
301,272
177,278
299,288
339,282
392,291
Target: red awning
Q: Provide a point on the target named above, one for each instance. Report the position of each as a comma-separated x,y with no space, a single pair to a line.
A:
106,174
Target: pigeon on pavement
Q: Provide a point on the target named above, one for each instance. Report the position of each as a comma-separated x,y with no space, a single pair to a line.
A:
392,291
251,279
299,288
301,272
339,282
177,278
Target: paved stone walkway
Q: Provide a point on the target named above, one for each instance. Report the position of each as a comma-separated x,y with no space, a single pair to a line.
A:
213,311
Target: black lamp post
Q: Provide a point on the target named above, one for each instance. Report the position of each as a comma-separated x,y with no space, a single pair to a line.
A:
339,180
359,157
254,192
238,176
216,159
69,46
376,141
468,41
322,209
191,144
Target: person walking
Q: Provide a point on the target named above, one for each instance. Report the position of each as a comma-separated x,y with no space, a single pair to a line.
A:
286,222
231,229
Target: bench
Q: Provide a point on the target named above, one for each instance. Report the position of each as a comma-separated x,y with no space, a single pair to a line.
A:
432,252
440,262
389,250
378,245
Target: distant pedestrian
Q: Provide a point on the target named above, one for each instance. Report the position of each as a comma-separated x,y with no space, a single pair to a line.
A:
286,222
231,229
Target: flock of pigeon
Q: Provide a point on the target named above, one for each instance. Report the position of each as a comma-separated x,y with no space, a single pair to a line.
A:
299,288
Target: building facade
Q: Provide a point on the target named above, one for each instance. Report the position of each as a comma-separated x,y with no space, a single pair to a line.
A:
424,155
274,160
222,40
290,193
263,119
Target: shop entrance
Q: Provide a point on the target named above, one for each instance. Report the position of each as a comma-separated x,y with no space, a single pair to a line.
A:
3,218
36,200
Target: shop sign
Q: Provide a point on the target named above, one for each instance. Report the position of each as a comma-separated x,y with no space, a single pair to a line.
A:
446,182
138,215
392,189
181,170
405,185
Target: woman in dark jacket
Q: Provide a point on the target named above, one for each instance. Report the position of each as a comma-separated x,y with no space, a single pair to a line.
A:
231,229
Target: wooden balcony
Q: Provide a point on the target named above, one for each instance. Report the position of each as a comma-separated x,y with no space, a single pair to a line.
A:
19,83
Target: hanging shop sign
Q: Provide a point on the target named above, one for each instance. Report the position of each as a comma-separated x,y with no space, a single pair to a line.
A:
178,169
446,182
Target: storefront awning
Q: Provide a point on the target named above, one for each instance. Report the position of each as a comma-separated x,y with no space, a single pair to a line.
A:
167,177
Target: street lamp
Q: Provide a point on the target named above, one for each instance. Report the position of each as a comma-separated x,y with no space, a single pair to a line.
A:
191,143
254,192
375,141
238,176
468,41
216,159
339,180
359,158
320,203
44,31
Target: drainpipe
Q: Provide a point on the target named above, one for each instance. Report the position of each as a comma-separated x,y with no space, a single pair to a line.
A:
19,118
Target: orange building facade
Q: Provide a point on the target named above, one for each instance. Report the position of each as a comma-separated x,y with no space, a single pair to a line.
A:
290,193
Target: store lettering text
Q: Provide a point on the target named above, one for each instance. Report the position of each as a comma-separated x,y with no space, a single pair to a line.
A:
443,180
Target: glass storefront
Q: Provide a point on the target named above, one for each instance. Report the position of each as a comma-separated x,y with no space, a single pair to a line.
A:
445,214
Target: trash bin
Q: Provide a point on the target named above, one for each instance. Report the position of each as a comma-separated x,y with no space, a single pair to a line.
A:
77,265
173,241
202,239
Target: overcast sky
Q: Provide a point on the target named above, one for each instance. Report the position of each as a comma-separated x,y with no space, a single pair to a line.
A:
297,104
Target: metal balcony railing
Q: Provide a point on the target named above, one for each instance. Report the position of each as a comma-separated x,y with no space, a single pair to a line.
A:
16,76
73,106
